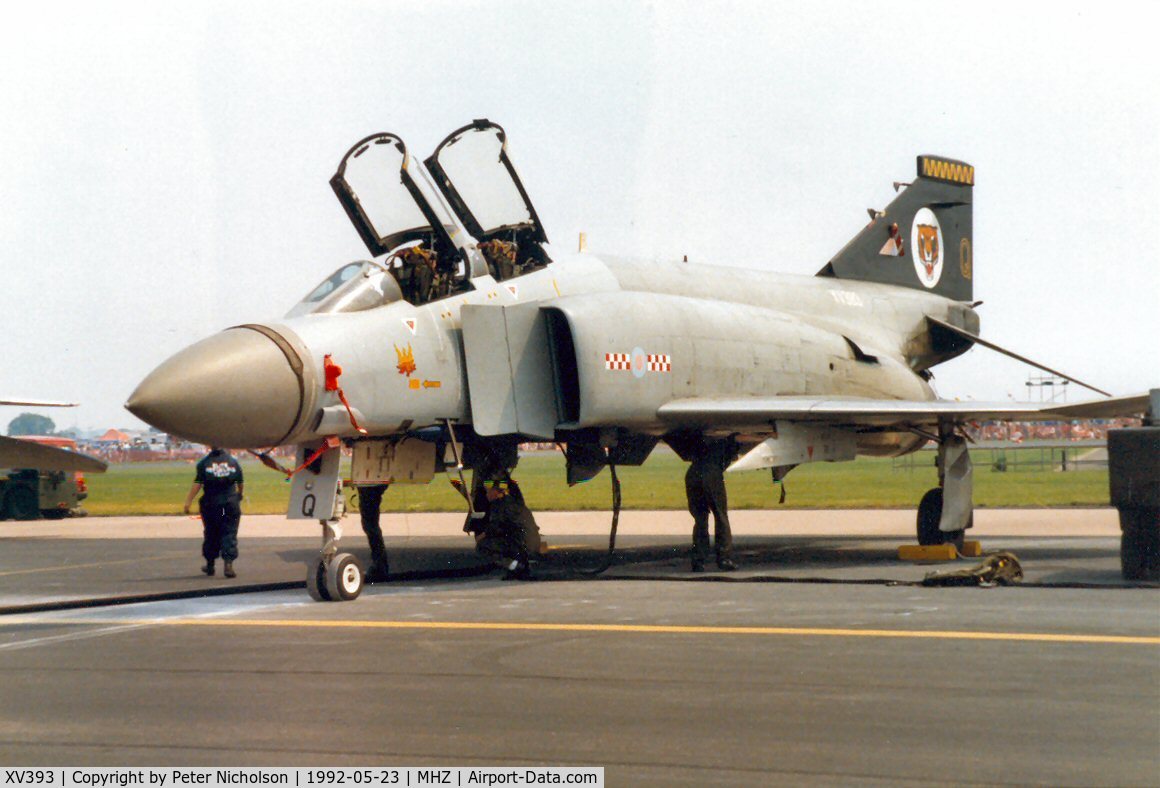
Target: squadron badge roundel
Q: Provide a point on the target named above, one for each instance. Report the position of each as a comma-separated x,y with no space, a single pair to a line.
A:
926,247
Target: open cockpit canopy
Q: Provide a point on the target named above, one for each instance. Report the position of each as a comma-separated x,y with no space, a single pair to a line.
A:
461,214
376,186
473,170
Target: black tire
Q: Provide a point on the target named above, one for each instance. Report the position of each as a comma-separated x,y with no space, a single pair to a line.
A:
316,580
929,513
1140,544
22,503
344,578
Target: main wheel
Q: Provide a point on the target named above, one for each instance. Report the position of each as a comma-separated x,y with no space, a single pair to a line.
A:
316,580
344,578
22,504
1140,544
929,513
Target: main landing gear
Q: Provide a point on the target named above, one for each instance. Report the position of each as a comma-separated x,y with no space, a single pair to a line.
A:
333,576
946,511
929,515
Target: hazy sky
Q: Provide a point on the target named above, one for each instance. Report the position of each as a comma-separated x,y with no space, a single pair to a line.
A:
164,167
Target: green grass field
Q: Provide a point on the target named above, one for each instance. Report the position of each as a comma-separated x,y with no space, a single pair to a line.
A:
160,488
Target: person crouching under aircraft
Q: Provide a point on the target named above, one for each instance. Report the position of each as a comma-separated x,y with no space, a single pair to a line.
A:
508,534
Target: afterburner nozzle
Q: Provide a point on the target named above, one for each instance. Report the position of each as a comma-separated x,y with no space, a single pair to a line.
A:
235,389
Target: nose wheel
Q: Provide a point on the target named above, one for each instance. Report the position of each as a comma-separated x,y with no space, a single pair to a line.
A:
339,579
333,576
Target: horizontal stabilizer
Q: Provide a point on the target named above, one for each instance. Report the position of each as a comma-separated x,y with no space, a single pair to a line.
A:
15,453
967,335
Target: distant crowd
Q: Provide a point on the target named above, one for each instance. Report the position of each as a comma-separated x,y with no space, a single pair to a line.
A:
1019,431
156,452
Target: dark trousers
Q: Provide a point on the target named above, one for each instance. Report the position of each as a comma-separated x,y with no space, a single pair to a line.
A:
705,489
511,533
504,544
369,500
220,522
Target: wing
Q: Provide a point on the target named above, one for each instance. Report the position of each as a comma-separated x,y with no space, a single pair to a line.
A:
745,413
16,453
37,403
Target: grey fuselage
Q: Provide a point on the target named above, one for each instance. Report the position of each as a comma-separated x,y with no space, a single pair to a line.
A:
703,331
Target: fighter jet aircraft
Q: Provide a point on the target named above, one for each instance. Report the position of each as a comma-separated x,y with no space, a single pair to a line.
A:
468,333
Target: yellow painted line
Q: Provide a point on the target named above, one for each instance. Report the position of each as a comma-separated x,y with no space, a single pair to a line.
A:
62,567
642,629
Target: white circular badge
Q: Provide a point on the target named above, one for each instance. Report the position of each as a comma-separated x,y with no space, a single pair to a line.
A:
926,247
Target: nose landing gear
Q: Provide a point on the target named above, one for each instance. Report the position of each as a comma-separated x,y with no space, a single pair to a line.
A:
333,576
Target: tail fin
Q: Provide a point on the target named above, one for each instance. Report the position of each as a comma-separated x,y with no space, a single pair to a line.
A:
923,238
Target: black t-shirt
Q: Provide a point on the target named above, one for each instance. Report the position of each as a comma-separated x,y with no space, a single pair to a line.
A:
219,474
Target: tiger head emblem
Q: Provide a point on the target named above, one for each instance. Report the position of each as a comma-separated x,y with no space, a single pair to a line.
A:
928,247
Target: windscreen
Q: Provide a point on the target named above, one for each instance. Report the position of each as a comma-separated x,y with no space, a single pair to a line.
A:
352,288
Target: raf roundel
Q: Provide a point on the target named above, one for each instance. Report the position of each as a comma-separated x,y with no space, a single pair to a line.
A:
639,361
926,247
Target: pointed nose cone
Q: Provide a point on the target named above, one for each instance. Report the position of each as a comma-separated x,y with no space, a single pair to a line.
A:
235,389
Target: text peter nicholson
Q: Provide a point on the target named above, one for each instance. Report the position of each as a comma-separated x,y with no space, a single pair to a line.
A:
67,777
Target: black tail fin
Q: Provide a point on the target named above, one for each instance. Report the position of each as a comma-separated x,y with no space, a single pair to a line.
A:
922,239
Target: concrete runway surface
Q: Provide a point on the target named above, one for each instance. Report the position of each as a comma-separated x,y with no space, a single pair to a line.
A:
819,662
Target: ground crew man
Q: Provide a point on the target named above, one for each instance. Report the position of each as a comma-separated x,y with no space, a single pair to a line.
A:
220,476
370,497
508,534
705,489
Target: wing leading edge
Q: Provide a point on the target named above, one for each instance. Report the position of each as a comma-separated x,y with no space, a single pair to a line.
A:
15,453
878,413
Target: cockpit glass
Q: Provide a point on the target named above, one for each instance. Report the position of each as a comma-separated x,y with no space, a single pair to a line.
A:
332,282
472,162
352,288
373,173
